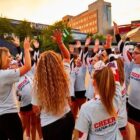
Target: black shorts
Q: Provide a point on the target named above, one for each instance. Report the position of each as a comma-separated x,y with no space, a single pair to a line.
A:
80,94
133,113
26,108
10,127
123,131
61,129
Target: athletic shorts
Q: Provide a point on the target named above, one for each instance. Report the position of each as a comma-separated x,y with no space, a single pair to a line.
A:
80,94
26,108
133,113
10,127
123,131
61,129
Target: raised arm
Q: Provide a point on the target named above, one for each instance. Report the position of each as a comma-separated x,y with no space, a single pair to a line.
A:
19,55
27,65
116,29
118,37
87,43
108,41
16,42
36,51
96,46
78,46
57,37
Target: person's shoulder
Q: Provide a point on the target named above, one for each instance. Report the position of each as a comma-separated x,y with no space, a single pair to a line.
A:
91,104
66,64
8,71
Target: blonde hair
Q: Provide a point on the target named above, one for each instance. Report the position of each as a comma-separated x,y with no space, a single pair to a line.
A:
3,51
51,83
106,87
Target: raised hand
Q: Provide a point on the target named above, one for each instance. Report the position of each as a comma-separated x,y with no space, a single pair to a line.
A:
88,41
57,36
78,44
26,43
35,43
108,41
115,24
16,41
96,46
116,29
71,48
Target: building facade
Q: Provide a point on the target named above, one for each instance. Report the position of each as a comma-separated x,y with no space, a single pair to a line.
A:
37,26
97,19
127,28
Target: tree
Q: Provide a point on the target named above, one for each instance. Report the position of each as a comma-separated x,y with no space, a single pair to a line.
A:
101,37
5,27
24,29
47,42
89,34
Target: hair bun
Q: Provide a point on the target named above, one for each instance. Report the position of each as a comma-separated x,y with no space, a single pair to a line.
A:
99,65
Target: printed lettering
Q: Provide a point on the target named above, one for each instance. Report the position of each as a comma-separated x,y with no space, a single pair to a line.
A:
104,124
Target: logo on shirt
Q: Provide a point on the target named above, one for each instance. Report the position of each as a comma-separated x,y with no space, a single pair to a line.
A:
99,126
23,83
135,76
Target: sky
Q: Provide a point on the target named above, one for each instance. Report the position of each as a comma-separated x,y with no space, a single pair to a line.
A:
50,11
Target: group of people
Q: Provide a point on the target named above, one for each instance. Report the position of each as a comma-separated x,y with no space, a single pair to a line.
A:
46,92
42,89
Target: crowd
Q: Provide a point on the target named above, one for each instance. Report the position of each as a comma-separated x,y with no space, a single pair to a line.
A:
46,92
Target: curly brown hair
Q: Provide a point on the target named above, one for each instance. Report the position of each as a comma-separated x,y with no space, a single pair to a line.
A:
52,83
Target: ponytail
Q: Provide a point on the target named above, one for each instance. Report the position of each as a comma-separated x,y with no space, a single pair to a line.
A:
106,87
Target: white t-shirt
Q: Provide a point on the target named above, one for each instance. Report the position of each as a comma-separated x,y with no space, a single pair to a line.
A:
96,122
24,90
132,77
125,50
134,82
8,102
80,73
90,89
46,117
31,72
72,83
122,114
